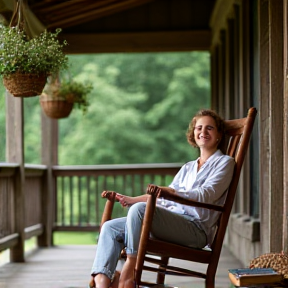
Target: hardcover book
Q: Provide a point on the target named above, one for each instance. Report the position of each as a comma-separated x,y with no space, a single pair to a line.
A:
257,276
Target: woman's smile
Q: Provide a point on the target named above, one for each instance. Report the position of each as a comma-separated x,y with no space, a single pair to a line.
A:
206,133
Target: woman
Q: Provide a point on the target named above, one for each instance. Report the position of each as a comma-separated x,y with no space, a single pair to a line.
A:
205,180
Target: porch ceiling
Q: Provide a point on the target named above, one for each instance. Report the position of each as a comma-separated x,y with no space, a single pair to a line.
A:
92,26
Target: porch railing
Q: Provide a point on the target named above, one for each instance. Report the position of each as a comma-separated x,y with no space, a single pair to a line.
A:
76,199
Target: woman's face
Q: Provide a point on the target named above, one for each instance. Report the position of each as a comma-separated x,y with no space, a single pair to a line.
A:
206,134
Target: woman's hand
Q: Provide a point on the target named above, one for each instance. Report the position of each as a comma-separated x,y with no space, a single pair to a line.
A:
153,190
159,191
126,201
108,195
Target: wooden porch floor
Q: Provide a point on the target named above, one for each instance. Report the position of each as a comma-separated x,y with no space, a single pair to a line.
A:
69,267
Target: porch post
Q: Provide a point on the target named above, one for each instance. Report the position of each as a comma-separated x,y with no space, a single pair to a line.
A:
49,156
271,124
15,154
285,136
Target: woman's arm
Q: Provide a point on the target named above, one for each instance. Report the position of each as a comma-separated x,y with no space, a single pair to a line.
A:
127,201
124,200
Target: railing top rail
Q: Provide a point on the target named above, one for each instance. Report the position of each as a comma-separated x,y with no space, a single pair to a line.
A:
8,169
118,166
35,166
9,165
35,170
114,168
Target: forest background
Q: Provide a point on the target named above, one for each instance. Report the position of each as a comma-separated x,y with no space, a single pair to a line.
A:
140,108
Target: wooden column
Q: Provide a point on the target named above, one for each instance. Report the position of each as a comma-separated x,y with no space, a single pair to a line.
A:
15,154
285,131
49,156
230,71
271,124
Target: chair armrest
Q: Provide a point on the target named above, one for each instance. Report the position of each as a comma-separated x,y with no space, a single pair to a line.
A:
111,197
179,199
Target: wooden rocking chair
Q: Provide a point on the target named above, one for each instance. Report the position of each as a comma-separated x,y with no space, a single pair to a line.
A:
236,142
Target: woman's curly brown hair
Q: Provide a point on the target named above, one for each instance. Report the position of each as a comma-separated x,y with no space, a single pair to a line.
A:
204,112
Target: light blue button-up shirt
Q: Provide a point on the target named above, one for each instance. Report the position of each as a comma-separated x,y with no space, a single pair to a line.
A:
208,185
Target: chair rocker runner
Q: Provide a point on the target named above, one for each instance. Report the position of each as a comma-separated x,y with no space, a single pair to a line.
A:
237,136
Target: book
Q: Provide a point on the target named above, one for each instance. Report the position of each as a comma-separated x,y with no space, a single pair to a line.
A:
256,276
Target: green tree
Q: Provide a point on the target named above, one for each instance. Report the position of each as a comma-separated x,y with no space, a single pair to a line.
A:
150,128
109,129
32,130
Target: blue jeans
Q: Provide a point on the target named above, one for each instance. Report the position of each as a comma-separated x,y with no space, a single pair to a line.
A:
125,232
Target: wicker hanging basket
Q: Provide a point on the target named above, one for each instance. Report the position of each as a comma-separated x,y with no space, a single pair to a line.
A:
25,85
55,108
53,105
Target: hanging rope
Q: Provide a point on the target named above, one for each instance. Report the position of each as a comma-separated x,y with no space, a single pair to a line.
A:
25,20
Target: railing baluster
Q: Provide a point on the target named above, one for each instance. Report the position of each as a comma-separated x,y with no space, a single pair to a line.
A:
97,198
124,182
79,201
63,201
88,200
71,200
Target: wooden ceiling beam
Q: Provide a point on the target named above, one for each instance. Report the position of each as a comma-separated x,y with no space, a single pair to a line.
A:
65,8
138,42
66,14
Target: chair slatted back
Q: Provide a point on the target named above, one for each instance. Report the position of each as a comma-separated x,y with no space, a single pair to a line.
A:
235,144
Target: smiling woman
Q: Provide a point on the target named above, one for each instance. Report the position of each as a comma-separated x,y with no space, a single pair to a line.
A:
203,180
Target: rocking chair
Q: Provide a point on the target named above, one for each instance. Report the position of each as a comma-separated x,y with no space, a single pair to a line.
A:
237,135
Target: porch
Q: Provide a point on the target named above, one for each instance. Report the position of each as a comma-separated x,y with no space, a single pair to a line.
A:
69,266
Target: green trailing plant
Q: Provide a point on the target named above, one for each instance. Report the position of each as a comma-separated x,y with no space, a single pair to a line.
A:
40,55
68,90
76,92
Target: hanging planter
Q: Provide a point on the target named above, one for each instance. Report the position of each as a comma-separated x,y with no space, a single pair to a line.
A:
26,61
25,85
56,108
58,99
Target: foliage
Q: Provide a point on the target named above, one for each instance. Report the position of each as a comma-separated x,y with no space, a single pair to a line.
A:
69,90
140,109
75,238
32,130
42,54
76,92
